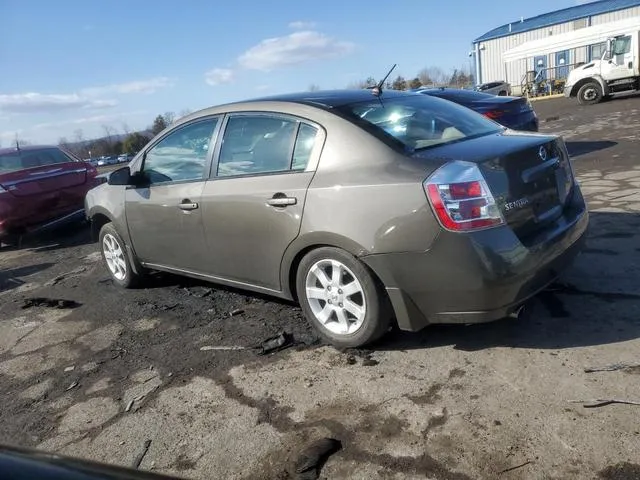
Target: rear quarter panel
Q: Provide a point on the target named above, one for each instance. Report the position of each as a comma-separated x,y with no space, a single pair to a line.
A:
365,198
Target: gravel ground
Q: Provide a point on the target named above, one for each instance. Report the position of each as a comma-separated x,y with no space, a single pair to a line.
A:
175,363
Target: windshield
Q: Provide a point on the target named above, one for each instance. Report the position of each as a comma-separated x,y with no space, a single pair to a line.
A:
419,121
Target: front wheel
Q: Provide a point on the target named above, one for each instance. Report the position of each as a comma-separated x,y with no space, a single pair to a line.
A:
115,256
341,298
590,93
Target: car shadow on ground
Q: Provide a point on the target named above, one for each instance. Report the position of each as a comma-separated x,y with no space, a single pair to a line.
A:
578,148
13,277
594,311
201,288
68,235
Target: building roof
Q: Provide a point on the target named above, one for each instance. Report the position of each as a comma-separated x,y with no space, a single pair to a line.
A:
558,16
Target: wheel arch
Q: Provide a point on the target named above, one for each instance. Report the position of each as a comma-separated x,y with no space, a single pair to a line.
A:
99,217
305,244
596,78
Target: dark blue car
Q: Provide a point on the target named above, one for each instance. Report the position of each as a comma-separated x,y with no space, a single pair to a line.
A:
512,112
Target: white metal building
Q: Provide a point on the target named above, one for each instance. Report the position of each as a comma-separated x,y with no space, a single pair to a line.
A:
489,48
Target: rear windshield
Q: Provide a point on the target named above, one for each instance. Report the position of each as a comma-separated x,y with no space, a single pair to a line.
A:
418,121
20,160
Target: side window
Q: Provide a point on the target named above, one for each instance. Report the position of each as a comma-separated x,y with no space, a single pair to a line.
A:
305,142
622,45
181,155
42,158
254,144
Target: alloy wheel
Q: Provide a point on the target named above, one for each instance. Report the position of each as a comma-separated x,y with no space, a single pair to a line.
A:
114,256
336,297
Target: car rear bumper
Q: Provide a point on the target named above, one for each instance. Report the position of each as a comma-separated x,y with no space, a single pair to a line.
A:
524,123
480,277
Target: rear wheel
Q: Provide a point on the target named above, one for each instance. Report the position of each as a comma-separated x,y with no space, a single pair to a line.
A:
341,298
115,256
590,93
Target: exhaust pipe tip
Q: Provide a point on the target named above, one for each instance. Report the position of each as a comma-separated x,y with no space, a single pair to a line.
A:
519,313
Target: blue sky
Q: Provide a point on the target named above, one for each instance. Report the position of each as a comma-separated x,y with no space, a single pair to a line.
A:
71,64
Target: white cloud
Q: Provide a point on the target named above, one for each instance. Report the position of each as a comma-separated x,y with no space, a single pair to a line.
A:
218,76
33,102
94,119
138,86
294,49
299,25
92,126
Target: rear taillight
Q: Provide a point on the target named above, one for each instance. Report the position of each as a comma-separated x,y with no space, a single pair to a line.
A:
494,114
461,199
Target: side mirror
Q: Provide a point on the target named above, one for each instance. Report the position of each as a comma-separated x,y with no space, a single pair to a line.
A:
121,176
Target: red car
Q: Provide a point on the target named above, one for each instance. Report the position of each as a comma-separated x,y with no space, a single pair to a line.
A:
41,185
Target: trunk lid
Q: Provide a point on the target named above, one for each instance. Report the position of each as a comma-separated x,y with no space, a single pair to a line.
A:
36,172
529,175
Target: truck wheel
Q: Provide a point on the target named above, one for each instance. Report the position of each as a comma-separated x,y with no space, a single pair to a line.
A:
590,93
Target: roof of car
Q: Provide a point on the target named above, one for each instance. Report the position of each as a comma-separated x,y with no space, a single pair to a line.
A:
24,148
330,98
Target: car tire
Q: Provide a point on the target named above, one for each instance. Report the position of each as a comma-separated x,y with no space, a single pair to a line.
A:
349,309
114,255
590,93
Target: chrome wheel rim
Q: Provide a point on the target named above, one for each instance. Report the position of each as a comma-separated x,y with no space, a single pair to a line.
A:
335,297
114,255
590,94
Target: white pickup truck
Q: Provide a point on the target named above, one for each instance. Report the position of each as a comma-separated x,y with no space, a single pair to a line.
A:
617,71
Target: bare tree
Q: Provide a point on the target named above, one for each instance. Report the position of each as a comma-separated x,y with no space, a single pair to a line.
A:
185,111
21,141
313,87
169,117
424,77
78,135
437,75
108,133
125,128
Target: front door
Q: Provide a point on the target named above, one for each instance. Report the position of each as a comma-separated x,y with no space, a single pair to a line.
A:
540,67
620,64
164,215
253,205
562,65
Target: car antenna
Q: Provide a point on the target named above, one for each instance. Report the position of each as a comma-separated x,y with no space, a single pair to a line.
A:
377,90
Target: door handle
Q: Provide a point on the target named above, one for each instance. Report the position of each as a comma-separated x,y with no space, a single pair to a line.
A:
282,201
186,206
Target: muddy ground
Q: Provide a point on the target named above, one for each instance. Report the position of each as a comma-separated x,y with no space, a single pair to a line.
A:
170,364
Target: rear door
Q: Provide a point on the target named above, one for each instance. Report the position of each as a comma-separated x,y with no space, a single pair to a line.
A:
45,178
253,204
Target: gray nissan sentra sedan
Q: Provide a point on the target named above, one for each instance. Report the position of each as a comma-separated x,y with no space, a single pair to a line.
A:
365,207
